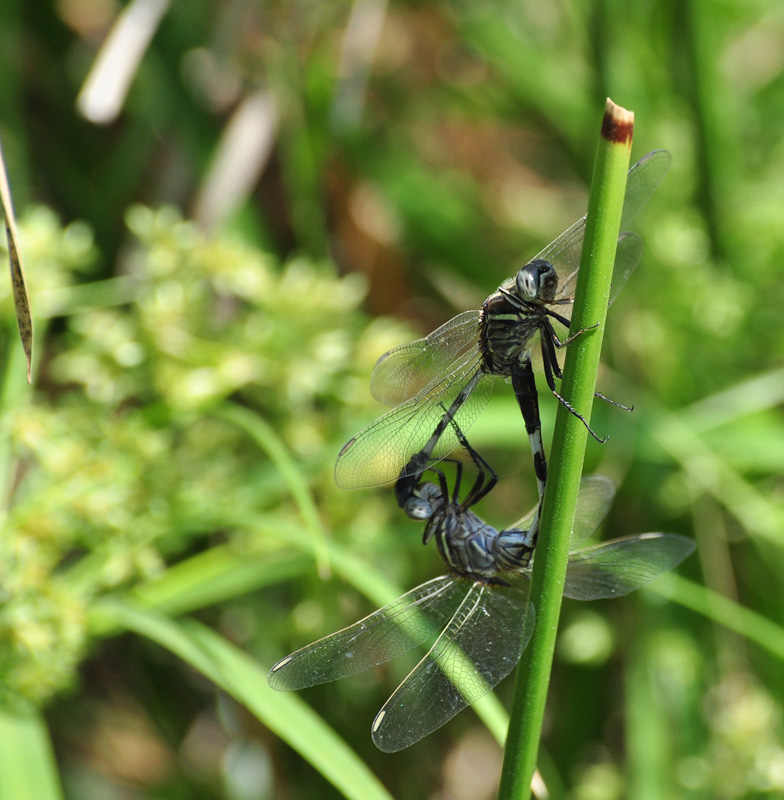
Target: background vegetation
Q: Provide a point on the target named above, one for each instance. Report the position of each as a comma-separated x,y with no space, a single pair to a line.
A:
286,191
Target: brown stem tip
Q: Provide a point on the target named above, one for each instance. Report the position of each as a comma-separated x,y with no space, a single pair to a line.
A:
618,124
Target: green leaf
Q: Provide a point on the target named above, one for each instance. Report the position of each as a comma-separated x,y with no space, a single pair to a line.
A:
714,606
214,576
265,436
242,678
27,766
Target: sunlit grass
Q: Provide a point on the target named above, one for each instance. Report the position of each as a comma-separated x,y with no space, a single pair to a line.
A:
175,453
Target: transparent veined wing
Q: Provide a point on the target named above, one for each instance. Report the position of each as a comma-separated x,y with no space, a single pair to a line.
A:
413,619
564,253
524,523
620,566
412,368
597,493
593,502
627,257
381,452
642,180
479,647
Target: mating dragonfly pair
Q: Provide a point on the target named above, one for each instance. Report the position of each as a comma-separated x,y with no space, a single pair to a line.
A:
481,623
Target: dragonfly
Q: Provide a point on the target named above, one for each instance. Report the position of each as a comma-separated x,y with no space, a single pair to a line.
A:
478,619
449,368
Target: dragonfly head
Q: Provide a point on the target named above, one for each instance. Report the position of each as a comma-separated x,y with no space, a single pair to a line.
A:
418,509
537,282
424,503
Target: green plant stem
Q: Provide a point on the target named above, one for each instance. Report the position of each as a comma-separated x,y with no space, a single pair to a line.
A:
569,439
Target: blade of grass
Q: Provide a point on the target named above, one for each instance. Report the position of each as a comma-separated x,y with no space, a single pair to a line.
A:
242,678
648,756
761,392
27,765
592,293
103,95
223,573
264,435
754,509
215,576
753,626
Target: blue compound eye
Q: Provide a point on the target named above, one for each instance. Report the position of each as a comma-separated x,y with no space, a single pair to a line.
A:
527,282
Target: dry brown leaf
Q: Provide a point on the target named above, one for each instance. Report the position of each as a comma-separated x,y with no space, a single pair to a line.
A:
21,301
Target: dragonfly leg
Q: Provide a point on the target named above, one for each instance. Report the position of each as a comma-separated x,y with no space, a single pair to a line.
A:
419,462
553,370
524,385
409,478
566,323
458,479
572,336
559,343
479,489
613,402
444,488
563,320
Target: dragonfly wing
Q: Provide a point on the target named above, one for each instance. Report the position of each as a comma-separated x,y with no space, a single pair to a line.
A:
641,182
382,451
479,647
615,568
412,619
564,253
627,257
593,502
407,370
524,523
597,493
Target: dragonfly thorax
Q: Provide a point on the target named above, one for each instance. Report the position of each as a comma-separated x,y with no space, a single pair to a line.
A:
537,282
465,542
475,548
506,329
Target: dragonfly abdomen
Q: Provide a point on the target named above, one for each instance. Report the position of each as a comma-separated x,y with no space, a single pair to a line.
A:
513,550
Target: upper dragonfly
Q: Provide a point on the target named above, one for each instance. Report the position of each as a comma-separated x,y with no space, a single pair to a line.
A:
447,370
480,624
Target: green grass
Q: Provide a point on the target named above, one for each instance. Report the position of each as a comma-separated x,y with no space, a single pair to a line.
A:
174,456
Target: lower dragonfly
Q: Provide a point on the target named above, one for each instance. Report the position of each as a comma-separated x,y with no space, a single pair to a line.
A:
450,367
481,624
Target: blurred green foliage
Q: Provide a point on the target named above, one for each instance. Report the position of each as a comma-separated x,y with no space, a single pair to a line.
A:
198,372
129,462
